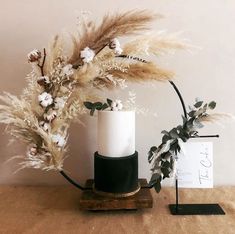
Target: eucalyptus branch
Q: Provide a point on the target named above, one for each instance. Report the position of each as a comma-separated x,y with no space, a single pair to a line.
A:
163,157
97,106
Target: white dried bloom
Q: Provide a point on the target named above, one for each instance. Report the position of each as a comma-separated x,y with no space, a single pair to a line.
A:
50,115
34,56
68,70
118,50
45,99
59,103
115,45
59,140
87,55
45,126
116,105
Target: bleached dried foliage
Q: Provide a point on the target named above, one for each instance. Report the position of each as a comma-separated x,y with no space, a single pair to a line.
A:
68,73
139,72
156,43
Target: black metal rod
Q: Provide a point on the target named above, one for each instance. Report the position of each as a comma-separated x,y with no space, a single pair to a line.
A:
71,181
180,97
204,136
176,195
186,116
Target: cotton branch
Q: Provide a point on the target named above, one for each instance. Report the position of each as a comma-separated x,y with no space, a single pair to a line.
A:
43,62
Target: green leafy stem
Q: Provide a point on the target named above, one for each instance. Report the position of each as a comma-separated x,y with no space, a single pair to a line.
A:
163,157
93,106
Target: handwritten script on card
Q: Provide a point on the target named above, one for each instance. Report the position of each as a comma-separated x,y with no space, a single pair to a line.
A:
195,166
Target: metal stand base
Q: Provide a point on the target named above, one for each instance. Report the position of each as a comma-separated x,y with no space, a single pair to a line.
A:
196,209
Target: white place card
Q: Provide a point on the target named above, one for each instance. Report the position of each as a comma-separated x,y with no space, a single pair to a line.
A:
195,166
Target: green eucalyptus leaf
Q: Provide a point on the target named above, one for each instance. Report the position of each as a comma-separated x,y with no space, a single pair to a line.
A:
212,105
88,105
105,106
150,153
156,180
191,113
165,138
109,101
153,148
165,172
98,105
173,133
165,132
198,104
157,186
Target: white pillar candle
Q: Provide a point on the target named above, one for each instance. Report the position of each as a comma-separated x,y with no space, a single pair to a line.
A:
116,133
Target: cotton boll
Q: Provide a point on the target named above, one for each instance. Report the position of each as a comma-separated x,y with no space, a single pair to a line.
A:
34,56
87,55
59,140
45,99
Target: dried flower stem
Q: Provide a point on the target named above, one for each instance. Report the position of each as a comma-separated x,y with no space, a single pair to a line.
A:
43,62
131,57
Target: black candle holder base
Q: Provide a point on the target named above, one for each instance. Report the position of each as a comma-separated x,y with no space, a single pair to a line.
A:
196,209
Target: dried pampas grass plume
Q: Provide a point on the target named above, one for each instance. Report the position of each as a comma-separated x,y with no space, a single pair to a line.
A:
63,82
138,72
155,43
112,26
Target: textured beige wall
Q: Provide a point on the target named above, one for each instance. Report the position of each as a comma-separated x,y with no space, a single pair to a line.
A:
207,73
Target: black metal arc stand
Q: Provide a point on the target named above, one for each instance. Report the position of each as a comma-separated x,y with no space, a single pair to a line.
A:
177,208
192,209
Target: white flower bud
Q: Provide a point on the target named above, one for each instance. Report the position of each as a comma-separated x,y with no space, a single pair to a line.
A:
116,105
87,55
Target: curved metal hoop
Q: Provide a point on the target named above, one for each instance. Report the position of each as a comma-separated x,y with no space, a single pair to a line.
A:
70,180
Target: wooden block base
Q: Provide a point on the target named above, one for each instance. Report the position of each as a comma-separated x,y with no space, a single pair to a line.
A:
92,201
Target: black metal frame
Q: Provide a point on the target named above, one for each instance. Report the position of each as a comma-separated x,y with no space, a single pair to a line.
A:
192,209
175,209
